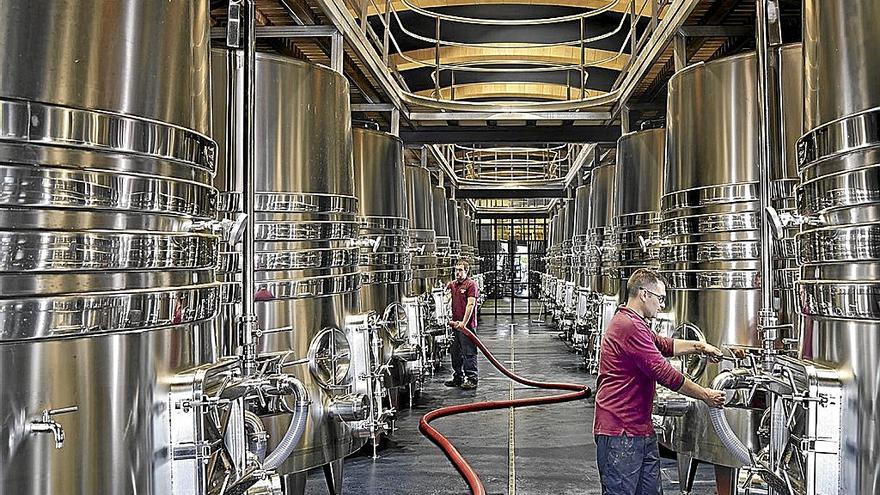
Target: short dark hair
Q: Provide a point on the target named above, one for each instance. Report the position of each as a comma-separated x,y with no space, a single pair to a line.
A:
641,278
463,262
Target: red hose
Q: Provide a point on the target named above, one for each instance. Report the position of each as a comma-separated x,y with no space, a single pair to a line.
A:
458,461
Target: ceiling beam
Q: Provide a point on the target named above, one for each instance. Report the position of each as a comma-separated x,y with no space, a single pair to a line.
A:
505,191
490,116
512,89
621,6
509,54
512,134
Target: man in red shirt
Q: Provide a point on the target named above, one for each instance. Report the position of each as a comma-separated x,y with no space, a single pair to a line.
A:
631,363
463,352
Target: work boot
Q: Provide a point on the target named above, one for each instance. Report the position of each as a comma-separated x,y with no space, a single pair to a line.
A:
455,382
469,385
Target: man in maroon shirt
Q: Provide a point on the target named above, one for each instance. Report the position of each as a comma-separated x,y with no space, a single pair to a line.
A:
463,352
631,363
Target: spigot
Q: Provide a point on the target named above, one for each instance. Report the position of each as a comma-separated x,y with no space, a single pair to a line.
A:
779,221
48,425
646,244
230,230
417,250
366,242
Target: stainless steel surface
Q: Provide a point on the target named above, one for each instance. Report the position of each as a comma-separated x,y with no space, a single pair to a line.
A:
601,250
452,212
581,233
639,182
441,231
420,208
385,267
840,188
107,293
840,43
710,213
307,278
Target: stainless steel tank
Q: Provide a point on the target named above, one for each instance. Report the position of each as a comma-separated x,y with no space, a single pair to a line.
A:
442,237
452,212
580,234
639,184
107,293
567,242
839,190
710,213
467,239
306,257
384,238
420,208
601,249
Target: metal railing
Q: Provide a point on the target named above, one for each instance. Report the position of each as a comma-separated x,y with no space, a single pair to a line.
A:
386,44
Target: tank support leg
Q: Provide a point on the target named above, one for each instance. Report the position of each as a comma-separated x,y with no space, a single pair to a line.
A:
687,471
333,475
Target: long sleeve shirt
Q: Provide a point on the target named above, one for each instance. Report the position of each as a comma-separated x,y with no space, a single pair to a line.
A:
631,364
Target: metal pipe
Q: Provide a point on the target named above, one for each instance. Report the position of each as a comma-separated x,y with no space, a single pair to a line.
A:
248,318
767,315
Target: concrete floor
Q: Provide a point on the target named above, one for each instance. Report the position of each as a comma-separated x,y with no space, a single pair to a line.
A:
535,451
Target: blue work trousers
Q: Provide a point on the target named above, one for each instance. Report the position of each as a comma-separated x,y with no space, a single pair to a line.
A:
628,465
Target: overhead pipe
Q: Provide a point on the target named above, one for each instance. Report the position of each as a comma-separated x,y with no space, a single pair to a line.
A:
577,392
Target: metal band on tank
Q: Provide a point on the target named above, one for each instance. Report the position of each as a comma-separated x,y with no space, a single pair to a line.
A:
94,130
95,313
689,280
42,187
91,251
303,259
289,202
845,135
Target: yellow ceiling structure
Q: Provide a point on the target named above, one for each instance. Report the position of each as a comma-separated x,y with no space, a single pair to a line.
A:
491,53
524,90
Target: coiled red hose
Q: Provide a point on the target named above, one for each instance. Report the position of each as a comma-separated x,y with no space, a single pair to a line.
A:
458,461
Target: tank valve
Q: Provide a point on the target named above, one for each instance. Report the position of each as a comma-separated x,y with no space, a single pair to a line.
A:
351,407
48,425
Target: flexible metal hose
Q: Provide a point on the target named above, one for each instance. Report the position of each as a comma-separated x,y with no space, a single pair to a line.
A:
725,381
294,431
458,461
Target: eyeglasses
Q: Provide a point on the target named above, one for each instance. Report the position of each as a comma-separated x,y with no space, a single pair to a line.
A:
660,299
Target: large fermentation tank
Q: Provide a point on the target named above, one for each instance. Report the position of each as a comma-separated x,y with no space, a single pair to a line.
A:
420,208
384,237
107,294
839,188
442,237
601,248
384,226
639,182
710,211
580,234
452,212
567,242
306,258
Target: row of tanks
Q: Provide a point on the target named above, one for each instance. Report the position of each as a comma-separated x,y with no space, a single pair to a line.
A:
690,203
138,202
